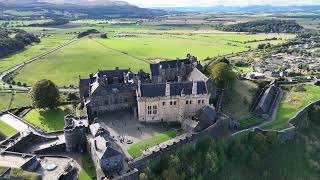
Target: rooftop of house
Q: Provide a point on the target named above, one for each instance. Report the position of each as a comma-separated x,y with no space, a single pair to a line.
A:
176,89
103,148
170,64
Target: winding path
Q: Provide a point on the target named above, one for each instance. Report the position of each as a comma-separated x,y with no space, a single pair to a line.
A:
21,65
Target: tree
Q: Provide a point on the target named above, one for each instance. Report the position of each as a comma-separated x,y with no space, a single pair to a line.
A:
45,94
222,75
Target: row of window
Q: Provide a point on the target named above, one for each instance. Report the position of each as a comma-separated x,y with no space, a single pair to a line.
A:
187,102
152,110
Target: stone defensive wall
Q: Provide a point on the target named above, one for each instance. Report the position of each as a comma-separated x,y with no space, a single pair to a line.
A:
294,123
173,145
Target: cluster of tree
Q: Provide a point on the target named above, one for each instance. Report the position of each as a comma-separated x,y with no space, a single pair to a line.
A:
264,46
9,45
54,22
252,147
45,95
201,161
221,73
87,32
264,26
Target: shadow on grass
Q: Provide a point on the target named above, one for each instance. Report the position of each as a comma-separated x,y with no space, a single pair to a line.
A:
52,119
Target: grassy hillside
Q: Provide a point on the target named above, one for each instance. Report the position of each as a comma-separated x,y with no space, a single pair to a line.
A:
295,160
292,102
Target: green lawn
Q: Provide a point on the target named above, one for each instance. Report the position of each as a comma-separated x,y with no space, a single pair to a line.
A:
90,54
136,149
88,171
46,44
80,58
7,130
19,173
50,120
291,103
19,99
251,120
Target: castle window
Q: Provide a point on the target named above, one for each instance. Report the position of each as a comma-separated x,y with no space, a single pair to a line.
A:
155,110
202,101
187,102
175,102
163,103
149,110
170,103
190,102
199,101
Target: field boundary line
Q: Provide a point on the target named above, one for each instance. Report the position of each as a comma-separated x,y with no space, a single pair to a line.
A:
118,51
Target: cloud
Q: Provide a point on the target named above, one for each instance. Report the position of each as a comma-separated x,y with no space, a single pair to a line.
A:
199,3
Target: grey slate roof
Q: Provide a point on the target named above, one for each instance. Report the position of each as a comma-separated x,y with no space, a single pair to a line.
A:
206,117
266,100
167,64
97,130
110,74
119,88
197,75
159,89
104,151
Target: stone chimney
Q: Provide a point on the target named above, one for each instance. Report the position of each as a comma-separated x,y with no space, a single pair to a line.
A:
167,89
104,80
139,88
91,78
95,144
107,143
194,88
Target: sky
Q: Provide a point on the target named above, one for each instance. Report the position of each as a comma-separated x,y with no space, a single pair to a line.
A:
206,3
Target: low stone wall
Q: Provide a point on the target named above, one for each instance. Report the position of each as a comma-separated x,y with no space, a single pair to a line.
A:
294,123
56,148
143,161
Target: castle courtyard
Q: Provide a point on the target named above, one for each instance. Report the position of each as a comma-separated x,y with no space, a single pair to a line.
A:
126,130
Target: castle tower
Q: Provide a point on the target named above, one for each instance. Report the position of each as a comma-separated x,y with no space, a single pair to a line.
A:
75,135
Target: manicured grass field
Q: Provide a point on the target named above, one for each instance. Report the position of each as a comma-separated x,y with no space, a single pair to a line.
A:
90,54
50,120
19,99
31,51
88,171
80,58
291,103
6,130
136,149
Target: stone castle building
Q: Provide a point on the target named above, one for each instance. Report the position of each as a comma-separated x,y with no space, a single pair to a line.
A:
171,71
75,134
110,90
171,102
174,90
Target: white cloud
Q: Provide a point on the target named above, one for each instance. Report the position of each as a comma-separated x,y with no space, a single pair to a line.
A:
198,3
